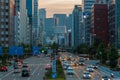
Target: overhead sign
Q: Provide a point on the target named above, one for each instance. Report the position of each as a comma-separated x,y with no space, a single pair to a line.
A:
0,50
35,50
54,75
54,66
16,50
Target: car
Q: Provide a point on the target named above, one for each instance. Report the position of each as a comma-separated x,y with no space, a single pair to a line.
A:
95,66
25,73
3,68
47,66
81,62
70,71
90,69
17,69
105,78
65,67
86,75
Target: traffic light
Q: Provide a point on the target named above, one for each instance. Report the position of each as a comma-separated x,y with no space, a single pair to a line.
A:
42,51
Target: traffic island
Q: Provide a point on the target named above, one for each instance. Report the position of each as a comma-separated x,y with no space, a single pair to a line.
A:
59,75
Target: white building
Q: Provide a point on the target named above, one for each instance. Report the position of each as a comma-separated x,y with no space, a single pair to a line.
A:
21,22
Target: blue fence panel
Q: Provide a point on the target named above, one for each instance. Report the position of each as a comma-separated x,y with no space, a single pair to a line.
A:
0,50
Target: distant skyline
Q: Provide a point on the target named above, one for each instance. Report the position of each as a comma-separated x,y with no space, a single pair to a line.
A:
58,6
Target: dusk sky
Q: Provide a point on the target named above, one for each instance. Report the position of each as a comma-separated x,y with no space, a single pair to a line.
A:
58,6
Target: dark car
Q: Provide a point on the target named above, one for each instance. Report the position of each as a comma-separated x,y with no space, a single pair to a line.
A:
3,68
25,73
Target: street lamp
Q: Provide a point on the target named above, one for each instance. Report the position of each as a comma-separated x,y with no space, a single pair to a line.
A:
100,56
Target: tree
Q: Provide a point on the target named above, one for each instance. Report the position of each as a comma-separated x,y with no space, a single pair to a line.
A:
113,56
54,46
82,49
101,52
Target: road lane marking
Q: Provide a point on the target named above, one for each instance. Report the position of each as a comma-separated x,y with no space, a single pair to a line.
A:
7,75
14,79
28,78
35,70
38,74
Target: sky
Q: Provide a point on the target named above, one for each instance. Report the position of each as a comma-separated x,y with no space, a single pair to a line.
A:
58,6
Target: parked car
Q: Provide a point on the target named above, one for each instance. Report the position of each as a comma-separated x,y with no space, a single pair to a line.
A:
3,68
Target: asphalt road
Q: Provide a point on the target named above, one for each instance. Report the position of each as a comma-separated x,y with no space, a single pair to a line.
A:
36,65
78,71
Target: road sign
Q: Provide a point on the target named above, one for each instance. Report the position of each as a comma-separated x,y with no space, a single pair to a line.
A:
35,50
54,75
15,50
54,66
0,50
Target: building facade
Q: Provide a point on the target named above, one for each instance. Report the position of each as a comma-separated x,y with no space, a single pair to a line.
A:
76,20
42,17
6,23
60,19
20,21
30,12
35,24
99,22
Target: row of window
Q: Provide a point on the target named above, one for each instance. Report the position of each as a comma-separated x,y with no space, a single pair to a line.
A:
4,1
4,39
3,7
3,13
3,26
3,20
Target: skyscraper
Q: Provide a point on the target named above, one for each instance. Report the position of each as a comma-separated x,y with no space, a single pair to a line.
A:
61,19
42,17
76,19
20,20
35,24
6,23
30,12
99,23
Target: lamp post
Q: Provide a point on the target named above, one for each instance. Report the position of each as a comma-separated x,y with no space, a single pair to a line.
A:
100,56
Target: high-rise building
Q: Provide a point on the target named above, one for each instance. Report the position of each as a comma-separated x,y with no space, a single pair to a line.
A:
6,23
60,19
20,20
30,12
87,5
112,23
35,24
86,9
49,30
99,22
118,22
76,26
42,17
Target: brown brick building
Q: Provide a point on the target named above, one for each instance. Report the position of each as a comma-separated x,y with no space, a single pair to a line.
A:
99,22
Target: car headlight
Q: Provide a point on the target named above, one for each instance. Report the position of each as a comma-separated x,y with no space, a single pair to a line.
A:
89,75
102,79
84,75
108,79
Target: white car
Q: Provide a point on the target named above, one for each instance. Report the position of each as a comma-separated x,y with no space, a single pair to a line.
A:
70,71
90,69
86,75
